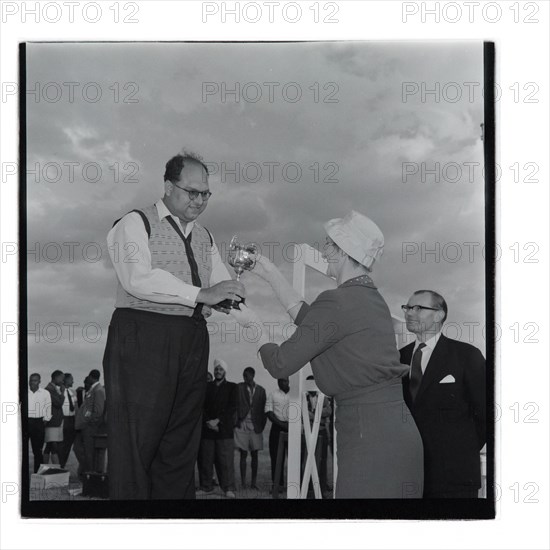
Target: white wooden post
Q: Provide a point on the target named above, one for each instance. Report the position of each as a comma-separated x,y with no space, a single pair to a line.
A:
304,255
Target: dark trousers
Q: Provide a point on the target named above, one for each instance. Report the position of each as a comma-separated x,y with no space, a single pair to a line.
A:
218,452
37,433
321,460
155,379
84,448
273,447
69,434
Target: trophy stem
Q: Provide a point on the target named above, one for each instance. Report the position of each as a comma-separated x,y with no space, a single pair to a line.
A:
235,303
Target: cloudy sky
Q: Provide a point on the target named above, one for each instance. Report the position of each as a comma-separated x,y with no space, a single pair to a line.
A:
107,117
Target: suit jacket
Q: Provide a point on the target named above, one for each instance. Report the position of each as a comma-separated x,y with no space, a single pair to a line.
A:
80,392
256,408
57,406
92,411
220,402
451,417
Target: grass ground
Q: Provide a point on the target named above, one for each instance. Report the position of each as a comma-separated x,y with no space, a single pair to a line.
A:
263,483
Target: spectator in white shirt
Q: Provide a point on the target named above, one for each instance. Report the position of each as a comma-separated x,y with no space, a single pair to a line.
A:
39,411
276,408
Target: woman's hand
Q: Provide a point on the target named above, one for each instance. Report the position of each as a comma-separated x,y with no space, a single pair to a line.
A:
245,316
248,318
264,268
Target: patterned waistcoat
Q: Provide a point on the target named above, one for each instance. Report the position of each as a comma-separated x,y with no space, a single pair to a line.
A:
168,253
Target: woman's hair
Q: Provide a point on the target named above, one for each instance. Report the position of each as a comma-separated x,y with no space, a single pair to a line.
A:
353,260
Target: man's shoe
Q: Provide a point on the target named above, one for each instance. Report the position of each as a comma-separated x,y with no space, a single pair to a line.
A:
230,494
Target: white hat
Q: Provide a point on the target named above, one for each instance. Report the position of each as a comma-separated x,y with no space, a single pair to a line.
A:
221,363
358,236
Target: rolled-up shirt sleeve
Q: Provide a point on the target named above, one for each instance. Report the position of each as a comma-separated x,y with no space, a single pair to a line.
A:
316,331
269,403
129,252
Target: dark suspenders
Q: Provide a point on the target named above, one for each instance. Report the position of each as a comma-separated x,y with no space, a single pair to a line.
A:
195,277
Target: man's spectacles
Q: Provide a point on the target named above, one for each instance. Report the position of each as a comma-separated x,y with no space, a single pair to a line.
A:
205,195
416,309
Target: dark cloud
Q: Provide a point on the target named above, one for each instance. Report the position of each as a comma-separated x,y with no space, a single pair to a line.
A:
153,104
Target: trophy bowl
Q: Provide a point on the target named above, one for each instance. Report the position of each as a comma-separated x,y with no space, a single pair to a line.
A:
241,257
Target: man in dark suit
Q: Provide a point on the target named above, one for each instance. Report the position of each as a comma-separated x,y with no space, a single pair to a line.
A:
251,421
89,421
445,392
216,446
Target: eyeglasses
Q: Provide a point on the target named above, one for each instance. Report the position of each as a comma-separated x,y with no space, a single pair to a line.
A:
416,309
205,195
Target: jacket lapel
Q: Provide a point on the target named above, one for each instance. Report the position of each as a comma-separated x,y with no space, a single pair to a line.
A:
433,368
406,353
406,357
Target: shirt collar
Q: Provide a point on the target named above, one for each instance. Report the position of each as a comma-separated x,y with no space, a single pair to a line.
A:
94,385
360,280
163,212
430,343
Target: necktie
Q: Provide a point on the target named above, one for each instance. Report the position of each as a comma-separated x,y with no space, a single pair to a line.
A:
71,404
195,277
416,372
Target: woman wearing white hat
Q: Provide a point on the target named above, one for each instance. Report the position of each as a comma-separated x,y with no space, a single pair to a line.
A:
347,335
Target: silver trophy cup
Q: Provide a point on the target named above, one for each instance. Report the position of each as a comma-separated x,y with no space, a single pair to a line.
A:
241,257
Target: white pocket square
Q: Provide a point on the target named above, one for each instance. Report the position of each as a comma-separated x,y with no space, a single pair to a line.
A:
449,379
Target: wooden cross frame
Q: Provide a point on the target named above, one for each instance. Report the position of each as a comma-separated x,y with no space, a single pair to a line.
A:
307,256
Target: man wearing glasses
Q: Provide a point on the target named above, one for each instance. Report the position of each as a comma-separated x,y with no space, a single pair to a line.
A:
445,392
169,274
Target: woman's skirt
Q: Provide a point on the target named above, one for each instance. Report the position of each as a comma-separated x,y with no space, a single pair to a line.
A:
54,435
378,446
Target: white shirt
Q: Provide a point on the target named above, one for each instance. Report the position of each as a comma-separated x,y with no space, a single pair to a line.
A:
133,263
40,404
66,405
278,403
426,351
251,391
